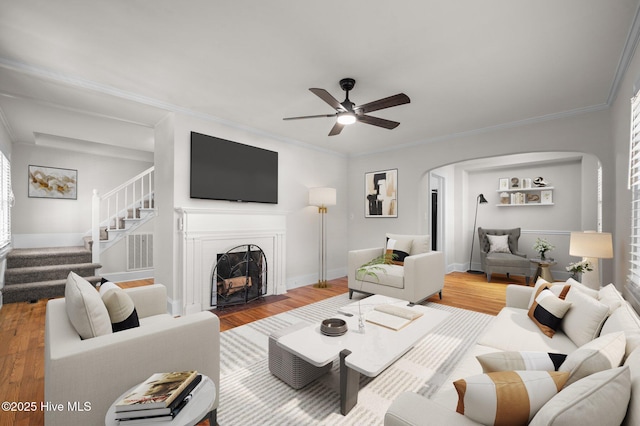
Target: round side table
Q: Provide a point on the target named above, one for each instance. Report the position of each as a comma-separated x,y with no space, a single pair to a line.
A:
543,270
199,408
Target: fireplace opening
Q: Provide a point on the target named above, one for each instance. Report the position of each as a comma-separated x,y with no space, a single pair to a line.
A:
239,276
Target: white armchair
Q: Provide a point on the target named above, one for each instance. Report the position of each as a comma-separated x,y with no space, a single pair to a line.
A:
421,276
99,369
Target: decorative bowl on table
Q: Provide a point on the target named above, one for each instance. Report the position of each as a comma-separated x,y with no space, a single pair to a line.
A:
333,327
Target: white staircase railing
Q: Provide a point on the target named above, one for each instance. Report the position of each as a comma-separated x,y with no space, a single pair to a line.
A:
112,209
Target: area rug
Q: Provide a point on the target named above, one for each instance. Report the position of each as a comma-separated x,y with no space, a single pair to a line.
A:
250,395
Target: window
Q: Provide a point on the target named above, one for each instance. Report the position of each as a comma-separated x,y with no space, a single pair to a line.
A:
6,202
634,186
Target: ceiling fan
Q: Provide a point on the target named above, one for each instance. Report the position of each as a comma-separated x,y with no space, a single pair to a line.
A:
348,113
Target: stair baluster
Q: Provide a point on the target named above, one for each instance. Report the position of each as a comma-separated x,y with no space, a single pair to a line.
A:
128,201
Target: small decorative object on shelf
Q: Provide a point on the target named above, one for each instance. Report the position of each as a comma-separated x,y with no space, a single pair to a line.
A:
518,192
578,268
540,182
542,246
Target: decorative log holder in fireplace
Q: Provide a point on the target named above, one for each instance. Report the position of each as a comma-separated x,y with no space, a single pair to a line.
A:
239,276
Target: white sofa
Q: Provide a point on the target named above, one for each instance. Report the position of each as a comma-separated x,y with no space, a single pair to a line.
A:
513,330
421,276
99,369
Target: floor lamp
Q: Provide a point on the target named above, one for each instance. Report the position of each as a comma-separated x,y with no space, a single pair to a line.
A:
322,198
479,200
591,246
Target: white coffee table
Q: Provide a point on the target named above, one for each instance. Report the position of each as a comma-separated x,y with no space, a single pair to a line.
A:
199,408
368,353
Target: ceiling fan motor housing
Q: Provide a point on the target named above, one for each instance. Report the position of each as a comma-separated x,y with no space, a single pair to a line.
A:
347,84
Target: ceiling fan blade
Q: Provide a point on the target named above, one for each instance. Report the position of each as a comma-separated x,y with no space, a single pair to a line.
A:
326,96
389,102
309,116
336,129
376,121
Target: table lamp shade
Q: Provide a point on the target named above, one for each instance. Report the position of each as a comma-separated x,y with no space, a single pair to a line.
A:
322,197
591,244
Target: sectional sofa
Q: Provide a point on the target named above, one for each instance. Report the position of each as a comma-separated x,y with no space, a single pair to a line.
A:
597,383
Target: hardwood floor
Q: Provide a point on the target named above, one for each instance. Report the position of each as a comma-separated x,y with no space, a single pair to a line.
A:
22,330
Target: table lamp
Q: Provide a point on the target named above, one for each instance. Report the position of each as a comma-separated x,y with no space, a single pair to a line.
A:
591,246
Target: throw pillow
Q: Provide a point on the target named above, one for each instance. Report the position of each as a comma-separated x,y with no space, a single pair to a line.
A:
603,353
397,250
507,397
610,296
633,410
539,283
420,243
85,309
583,288
498,244
559,289
583,322
547,311
507,361
122,311
624,319
598,400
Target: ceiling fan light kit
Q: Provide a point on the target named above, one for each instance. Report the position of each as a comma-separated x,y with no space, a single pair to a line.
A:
346,118
348,113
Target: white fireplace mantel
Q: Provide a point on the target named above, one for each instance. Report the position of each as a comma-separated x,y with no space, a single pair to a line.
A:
205,233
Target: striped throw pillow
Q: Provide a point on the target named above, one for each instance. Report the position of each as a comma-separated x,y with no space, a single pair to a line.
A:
507,397
548,310
531,361
397,250
122,311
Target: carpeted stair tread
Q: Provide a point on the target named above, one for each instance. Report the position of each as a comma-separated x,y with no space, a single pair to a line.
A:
25,292
48,272
19,258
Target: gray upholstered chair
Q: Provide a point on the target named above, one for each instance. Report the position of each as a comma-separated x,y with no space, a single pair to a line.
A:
511,262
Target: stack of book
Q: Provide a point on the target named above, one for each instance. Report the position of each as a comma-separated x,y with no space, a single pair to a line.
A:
159,398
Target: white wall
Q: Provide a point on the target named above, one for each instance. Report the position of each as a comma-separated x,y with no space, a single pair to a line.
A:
300,168
57,222
588,133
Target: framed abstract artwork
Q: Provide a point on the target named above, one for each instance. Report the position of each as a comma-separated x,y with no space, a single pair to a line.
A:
52,182
381,193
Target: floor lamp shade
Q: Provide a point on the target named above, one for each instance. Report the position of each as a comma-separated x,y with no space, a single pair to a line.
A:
479,200
591,246
322,197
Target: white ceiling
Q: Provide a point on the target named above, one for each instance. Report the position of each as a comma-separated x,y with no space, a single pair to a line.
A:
105,72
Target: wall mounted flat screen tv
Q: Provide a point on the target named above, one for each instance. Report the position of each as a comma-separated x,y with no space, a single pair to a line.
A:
226,170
